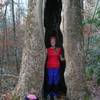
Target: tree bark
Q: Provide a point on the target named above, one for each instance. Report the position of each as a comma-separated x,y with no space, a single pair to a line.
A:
33,59
73,45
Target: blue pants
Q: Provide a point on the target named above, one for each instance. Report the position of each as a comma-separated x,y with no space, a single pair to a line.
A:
53,80
53,76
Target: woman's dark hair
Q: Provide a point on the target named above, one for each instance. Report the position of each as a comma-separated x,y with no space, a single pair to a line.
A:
52,37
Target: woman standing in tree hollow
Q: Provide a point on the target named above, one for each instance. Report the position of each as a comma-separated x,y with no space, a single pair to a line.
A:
53,67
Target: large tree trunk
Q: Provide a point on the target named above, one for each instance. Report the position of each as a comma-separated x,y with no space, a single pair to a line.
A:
32,67
73,45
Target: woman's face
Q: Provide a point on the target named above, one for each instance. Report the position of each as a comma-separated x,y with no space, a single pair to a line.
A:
53,42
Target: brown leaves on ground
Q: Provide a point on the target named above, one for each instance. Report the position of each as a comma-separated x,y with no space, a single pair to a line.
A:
94,89
7,96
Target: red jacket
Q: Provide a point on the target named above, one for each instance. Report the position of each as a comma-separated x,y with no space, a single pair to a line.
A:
53,57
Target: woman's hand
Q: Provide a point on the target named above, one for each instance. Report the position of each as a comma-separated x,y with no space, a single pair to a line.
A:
62,58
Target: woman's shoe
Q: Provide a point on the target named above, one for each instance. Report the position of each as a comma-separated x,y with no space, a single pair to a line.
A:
51,97
55,98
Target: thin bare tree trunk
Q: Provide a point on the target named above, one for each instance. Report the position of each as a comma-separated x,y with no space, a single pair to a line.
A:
73,45
32,67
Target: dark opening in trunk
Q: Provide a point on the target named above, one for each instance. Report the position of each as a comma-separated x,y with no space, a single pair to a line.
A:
52,20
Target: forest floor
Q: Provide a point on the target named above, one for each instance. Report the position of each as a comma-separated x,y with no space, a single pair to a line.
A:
93,88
